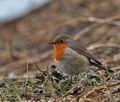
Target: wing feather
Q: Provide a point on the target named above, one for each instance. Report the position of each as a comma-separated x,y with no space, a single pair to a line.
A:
82,50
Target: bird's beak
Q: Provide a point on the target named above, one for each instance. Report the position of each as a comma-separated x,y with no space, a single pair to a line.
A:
51,42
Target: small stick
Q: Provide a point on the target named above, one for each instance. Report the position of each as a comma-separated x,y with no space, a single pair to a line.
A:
95,46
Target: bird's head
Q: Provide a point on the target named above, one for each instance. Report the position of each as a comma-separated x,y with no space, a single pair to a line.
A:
60,42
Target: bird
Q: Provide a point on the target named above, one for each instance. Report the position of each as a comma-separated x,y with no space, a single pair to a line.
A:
71,57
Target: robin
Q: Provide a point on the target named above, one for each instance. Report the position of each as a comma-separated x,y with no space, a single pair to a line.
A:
72,58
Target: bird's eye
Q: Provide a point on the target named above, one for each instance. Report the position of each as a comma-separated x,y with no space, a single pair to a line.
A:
61,41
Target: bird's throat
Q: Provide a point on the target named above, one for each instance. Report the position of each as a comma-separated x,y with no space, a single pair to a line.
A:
59,51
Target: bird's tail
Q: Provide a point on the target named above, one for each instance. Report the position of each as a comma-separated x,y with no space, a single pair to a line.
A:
101,66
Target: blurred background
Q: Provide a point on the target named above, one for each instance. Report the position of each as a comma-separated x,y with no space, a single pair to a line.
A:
27,27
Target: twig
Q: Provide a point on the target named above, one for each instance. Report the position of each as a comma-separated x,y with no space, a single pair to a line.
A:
86,100
116,68
18,65
104,21
86,30
108,90
26,80
98,88
95,46
69,91
98,22
116,90
36,66
113,84
118,72
109,20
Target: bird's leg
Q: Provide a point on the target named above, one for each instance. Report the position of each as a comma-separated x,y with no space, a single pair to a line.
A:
70,80
77,78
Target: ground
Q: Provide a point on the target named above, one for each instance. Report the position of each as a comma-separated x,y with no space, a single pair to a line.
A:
24,42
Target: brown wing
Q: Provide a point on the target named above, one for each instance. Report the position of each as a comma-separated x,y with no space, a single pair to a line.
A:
81,50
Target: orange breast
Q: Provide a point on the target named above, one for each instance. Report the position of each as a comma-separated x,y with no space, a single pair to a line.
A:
59,51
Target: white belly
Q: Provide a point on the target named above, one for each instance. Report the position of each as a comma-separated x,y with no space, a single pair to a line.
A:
72,63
